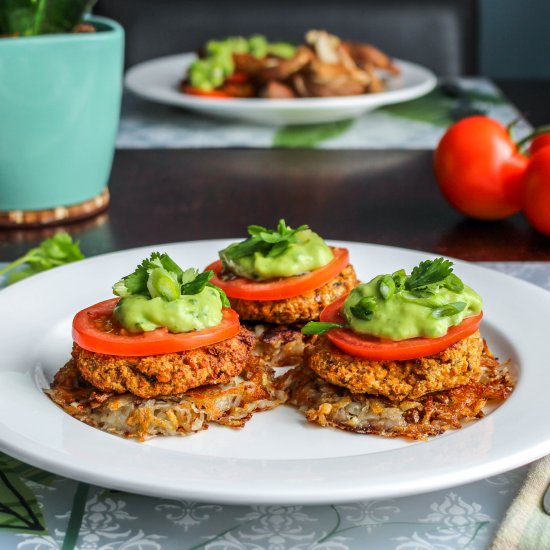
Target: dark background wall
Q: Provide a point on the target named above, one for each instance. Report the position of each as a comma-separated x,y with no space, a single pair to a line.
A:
515,38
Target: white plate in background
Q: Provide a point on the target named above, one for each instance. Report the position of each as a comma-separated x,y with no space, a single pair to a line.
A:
158,80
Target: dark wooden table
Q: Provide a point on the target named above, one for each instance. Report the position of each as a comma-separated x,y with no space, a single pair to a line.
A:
387,197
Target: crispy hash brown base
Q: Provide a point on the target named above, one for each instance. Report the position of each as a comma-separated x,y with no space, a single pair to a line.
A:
127,415
397,380
432,414
167,374
298,309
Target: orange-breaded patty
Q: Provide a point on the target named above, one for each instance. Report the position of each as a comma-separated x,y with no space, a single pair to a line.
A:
168,374
230,404
432,414
397,380
298,309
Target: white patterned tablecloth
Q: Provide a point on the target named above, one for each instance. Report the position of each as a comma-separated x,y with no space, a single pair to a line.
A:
417,124
42,511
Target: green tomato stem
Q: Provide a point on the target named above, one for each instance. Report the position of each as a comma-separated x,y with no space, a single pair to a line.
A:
537,132
13,265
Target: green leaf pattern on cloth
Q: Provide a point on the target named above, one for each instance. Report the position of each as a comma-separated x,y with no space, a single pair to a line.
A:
309,135
19,509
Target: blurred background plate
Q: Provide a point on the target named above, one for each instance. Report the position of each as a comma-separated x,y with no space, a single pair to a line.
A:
158,80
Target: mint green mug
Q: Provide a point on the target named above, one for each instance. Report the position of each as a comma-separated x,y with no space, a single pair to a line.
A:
59,109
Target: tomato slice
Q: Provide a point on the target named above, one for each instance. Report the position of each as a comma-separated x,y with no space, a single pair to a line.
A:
370,347
280,289
88,334
217,94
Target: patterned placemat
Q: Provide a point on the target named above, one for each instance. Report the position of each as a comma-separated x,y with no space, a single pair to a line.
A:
416,124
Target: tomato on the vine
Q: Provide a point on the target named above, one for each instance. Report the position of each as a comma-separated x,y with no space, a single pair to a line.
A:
479,169
536,190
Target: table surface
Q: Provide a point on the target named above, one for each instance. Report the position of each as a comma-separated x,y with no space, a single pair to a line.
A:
387,197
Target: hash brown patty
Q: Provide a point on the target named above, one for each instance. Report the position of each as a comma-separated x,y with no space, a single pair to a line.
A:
168,374
455,366
330,405
298,309
230,404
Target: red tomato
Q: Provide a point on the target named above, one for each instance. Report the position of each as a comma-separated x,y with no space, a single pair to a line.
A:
536,188
539,143
215,94
479,169
280,289
378,349
89,332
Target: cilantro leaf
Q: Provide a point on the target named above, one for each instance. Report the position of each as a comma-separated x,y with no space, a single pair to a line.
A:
266,241
223,295
314,327
53,252
160,276
198,283
429,272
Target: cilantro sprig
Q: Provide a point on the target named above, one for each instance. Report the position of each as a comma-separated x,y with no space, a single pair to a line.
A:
160,276
268,242
53,252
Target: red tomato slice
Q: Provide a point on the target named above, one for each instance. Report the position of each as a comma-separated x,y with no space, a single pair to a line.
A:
370,347
89,333
216,94
280,289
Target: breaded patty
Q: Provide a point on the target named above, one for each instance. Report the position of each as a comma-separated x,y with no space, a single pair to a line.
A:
299,309
168,374
432,414
127,415
397,380
279,345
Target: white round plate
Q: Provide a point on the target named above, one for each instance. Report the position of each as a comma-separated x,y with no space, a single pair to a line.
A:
158,80
277,457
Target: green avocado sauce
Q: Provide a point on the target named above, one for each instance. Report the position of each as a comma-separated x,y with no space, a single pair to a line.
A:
160,294
296,252
210,71
427,312
187,313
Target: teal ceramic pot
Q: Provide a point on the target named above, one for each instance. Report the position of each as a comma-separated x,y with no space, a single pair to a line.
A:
59,109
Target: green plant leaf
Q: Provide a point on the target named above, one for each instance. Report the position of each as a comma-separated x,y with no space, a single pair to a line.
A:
309,135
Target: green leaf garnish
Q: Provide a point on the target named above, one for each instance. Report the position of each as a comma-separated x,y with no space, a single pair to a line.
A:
428,273
448,310
53,252
198,283
315,327
268,242
223,295
364,308
160,276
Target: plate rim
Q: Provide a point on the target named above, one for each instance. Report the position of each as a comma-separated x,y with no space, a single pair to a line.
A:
468,474
295,104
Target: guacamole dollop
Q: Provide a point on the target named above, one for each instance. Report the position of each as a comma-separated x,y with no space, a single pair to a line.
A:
186,313
269,254
211,70
390,307
160,294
